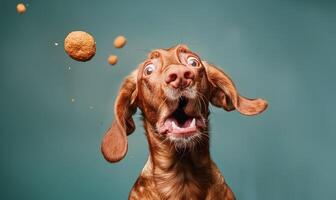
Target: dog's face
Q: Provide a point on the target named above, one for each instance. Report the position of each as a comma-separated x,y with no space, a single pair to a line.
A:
173,89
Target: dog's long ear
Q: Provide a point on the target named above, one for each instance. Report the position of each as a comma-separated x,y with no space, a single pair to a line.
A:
114,145
224,93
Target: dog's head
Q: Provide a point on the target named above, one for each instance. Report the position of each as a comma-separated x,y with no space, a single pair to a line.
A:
173,89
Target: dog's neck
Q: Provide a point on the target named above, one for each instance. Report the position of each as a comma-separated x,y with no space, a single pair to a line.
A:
179,173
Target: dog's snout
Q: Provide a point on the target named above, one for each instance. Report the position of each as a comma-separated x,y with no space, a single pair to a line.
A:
179,77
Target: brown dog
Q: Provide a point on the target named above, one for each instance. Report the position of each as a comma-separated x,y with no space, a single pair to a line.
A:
173,89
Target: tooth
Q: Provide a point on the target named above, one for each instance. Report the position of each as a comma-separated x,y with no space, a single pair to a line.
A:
193,123
174,125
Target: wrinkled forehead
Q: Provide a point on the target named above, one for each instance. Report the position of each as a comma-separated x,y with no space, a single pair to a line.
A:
164,56
170,55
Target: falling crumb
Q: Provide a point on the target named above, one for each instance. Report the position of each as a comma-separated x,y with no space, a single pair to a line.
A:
69,68
72,99
90,107
120,41
56,44
21,8
112,59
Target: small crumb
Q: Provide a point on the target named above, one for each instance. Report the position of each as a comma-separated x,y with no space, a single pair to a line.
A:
72,99
21,8
90,107
56,44
120,41
112,59
69,68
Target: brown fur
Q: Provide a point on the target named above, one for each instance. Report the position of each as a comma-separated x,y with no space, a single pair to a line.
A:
172,172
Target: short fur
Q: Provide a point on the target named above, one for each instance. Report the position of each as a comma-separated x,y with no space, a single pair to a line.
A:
176,168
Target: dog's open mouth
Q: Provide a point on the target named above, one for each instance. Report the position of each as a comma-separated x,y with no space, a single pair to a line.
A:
179,124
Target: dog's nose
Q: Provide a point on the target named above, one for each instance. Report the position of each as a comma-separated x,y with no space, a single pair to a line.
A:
179,76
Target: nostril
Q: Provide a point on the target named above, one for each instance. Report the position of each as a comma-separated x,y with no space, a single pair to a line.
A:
171,77
188,75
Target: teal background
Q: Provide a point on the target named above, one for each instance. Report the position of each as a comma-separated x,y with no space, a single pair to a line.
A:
280,50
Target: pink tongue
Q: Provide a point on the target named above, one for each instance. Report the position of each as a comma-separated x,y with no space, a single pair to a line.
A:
186,123
181,130
168,123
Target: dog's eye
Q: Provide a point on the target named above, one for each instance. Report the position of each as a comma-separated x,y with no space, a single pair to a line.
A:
149,69
192,61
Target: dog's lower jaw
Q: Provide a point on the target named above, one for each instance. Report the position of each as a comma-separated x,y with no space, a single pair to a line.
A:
170,174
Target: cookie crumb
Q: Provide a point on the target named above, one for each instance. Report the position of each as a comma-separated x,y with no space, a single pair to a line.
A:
21,8
112,59
120,41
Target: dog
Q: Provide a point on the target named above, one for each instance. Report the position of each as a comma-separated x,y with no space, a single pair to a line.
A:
173,88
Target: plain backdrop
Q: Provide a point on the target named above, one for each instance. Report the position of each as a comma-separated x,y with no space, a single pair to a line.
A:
280,50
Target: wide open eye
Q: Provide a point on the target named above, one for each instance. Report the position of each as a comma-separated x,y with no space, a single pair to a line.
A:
193,61
149,69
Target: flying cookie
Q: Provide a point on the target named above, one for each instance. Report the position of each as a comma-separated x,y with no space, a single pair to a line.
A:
80,46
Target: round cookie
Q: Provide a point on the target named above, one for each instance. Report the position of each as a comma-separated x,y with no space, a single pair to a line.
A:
120,41
80,46
21,8
112,59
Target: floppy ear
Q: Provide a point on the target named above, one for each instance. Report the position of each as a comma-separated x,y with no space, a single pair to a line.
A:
224,93
114,144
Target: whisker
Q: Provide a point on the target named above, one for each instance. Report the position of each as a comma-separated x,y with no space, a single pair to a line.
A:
163,141
203,99
203,134
162,103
